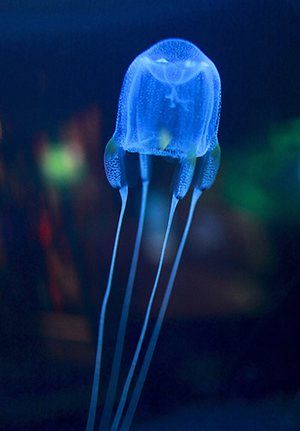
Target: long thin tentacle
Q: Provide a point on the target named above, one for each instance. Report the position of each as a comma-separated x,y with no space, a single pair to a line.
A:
124,394
155,334
114,375
96,379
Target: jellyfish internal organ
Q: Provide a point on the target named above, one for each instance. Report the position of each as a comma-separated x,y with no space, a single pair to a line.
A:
169,106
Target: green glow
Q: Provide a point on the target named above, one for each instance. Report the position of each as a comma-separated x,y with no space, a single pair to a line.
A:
61,164
286,136
264,177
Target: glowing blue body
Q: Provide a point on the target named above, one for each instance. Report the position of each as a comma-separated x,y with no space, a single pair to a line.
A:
169,106
170,102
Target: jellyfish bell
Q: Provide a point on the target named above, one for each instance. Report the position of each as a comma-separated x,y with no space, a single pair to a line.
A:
169,106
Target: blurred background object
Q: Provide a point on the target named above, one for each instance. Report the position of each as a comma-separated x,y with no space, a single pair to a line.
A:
229,353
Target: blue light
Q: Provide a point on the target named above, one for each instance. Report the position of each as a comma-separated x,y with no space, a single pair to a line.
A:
170,102
169,106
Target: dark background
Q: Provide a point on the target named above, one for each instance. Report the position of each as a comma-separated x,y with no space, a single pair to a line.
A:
228,356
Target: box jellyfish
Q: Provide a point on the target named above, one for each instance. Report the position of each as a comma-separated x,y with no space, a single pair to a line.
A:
169,106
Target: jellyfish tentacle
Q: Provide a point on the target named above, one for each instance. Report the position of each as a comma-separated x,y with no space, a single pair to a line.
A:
183,176
145,167
126,387
206,172
115,370
207,168
114,163
96,380
158,324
